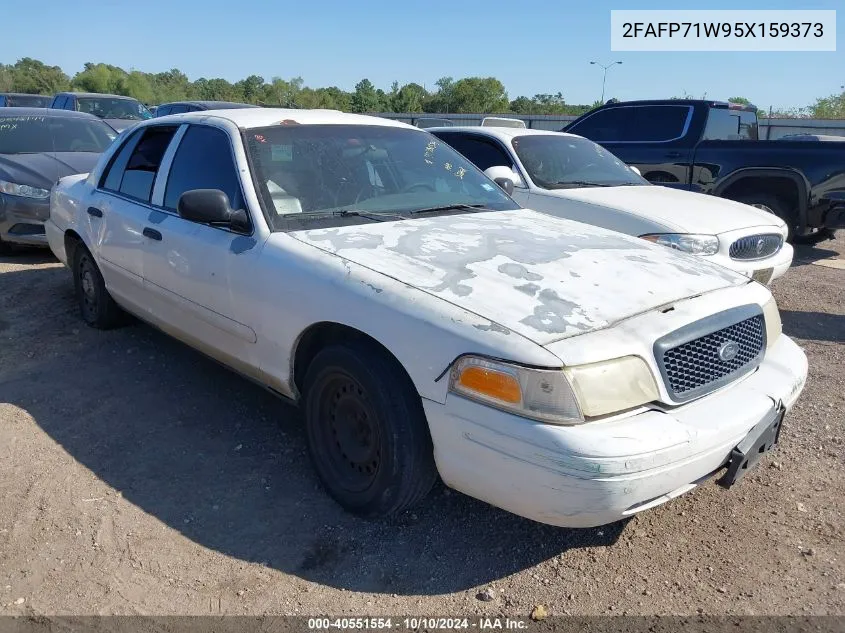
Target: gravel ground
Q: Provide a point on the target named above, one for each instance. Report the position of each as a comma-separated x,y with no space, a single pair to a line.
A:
137,477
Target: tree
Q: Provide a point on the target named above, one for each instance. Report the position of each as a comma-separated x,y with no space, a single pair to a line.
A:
832,107
741,100
479,94
35,77
409,98
365,98
251,89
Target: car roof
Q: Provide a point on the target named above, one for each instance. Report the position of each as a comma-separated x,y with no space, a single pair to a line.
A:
24,94
94,94
502,133
683,102
264,117
48,112
212,104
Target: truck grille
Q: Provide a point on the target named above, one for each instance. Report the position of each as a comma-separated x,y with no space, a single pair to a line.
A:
756,246
697,364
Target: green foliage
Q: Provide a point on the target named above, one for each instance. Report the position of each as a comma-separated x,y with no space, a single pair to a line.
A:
832,107
485,95
741,100
366,98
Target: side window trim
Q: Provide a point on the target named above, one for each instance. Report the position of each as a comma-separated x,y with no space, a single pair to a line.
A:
687,121
159,190
157,197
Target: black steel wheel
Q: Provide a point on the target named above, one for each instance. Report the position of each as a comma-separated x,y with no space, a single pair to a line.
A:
366,430
96,305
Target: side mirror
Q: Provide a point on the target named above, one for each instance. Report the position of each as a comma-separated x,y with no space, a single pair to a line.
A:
635,170
502,176
211,206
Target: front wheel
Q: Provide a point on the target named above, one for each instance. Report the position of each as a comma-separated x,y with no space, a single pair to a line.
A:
775,206
366,430
96,305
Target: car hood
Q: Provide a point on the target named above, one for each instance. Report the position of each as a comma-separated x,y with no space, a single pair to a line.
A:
44,170
678,210
543,277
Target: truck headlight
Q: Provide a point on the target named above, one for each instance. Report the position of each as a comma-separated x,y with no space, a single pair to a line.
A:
540,394
687,242
558,396
24,191
774,327
613,385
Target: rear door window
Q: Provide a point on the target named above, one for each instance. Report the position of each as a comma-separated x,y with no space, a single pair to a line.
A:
632,124
134,169
482,152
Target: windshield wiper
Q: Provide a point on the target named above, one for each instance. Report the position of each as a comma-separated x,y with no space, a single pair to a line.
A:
582,183
451,207
377,216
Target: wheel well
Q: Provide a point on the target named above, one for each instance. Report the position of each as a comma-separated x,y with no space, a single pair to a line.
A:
325,333
72,240
784,189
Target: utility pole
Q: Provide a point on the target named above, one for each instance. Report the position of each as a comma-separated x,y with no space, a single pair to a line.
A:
604,76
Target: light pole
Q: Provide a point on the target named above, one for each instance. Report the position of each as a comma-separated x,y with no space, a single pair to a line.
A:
604,77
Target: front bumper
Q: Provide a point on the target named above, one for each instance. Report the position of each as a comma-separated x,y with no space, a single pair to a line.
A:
778,264
22,220
606,470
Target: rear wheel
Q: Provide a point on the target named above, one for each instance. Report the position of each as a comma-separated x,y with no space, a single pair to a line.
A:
96,305
366,430
6,248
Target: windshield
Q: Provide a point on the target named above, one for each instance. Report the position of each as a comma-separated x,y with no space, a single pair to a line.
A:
28,101
308,171
110,108
559,162
39,134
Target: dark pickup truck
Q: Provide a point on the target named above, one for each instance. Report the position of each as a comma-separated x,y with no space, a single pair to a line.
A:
712,147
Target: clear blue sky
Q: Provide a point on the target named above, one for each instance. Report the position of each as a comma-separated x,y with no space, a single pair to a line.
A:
536,47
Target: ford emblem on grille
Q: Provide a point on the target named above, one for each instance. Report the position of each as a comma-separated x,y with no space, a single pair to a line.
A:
728,350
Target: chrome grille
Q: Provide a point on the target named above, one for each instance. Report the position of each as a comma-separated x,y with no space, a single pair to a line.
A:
693,364
756,246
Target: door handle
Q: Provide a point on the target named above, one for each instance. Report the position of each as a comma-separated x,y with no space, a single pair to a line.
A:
152,234
95,212
673,154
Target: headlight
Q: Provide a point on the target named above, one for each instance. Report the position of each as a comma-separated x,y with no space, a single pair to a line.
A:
613,385
687,242
771,315
559,396
540,394
25,191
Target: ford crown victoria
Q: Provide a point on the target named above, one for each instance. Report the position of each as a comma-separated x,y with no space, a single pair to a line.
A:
425,323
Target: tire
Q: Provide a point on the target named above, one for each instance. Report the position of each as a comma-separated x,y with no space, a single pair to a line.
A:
366,430
6,248
96,305
775,206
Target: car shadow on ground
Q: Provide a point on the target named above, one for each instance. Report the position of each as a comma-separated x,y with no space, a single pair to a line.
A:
807,254
814,326
224,462
28,256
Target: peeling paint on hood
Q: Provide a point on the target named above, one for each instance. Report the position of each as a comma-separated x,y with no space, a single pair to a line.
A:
543,277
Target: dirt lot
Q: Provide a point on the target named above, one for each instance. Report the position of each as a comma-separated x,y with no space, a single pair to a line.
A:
136,477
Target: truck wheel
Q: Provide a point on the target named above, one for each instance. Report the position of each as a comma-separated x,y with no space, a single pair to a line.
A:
6,248
366,430
773,205
96,305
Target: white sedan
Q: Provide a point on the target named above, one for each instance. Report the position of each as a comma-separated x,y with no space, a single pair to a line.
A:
425,323
572,177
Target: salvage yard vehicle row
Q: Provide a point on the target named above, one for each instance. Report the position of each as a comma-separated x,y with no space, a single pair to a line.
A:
425,323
